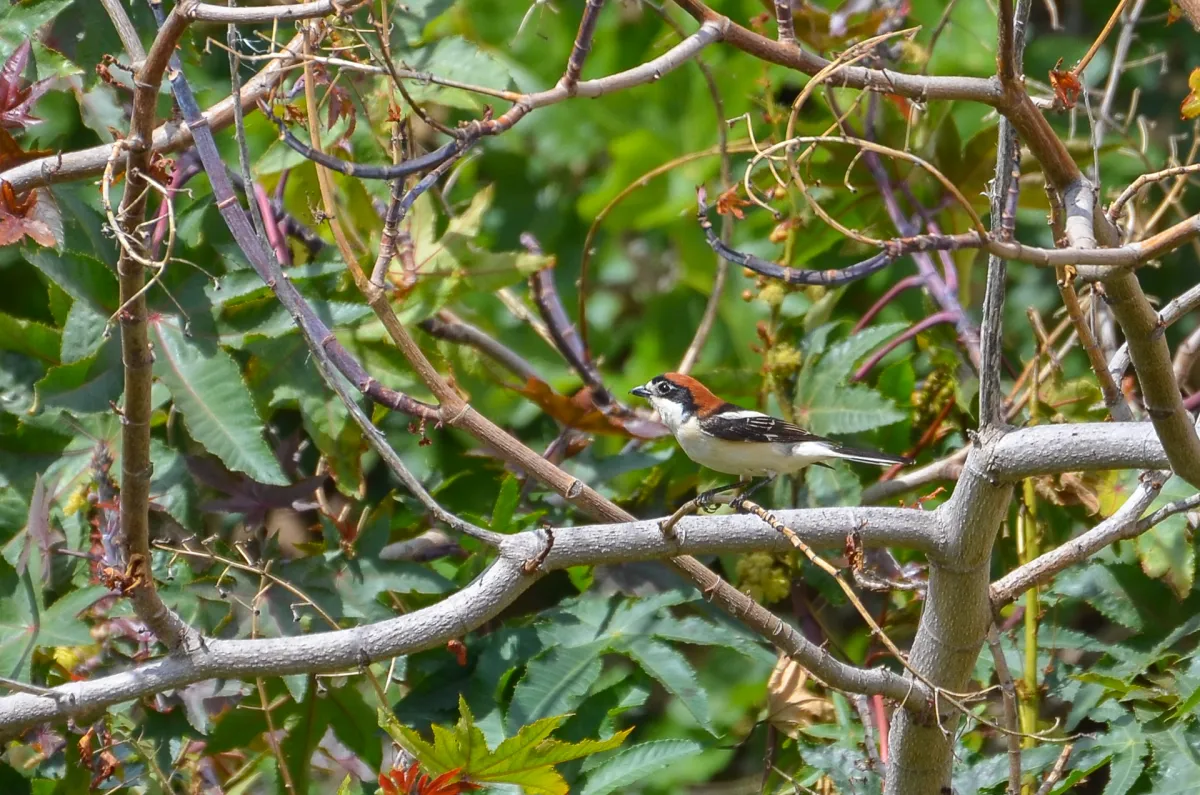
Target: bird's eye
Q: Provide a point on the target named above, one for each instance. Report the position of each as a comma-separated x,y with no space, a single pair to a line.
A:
663,388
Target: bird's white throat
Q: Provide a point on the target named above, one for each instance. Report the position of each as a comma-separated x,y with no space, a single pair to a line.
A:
670,412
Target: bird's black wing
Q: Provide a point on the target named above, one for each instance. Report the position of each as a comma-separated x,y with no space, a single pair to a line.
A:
739,425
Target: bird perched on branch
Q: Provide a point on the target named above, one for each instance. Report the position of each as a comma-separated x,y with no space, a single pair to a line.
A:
737,441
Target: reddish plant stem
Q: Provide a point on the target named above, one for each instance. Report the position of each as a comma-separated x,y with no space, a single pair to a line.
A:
906,283
900,339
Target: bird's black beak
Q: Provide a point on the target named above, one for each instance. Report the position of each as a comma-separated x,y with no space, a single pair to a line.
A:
640,391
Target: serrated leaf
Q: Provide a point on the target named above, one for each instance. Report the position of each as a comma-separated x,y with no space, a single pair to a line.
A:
835,484
83,277
847,410
555,683
673,672
87,385
695,630
29,338
25,626
839,361
83,333
207,388
1176,754
526,759
1121,592
635,763
825,403
21,22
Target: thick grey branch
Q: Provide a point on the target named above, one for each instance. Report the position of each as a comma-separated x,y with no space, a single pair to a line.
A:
1080,447
494,590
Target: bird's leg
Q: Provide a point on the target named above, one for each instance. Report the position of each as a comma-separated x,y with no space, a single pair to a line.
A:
736,504
704,499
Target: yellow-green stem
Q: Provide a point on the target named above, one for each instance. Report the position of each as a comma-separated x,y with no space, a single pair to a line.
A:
1027,550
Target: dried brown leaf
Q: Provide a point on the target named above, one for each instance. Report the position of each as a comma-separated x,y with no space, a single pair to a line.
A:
791,704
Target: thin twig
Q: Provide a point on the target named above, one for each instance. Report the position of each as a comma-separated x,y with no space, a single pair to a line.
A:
582,45
1057,771
1118,409
1009,693
1108,26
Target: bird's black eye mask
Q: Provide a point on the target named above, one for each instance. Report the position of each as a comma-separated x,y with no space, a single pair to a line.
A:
664,388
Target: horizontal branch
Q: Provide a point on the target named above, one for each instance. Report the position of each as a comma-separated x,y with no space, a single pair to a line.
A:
249,15
648,72
168,137
490,593
919,87
1076,447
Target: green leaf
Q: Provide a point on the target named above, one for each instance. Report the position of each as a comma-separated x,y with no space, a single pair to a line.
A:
410,20
456,58
555,683
526,759
698,631
17,375
1176,754
837,364
207,388
83,277
635,763
21,22
825,403
674,673
1120,592
24,625
839,410
29,338
506,505
1125,768
85,386
83,333
833,485
304,730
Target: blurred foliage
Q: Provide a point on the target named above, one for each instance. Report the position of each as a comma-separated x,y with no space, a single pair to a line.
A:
658,695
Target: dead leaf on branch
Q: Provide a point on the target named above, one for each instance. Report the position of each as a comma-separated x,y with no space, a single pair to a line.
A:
1066,85
791,704
1070,488
26,216
730,203
581,413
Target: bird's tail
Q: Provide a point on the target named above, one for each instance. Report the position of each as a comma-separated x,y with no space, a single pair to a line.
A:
868,456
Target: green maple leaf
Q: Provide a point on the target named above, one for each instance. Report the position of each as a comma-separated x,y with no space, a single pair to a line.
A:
526,759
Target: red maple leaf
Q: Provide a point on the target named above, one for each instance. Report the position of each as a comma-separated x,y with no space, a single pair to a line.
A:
15,99
411,781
